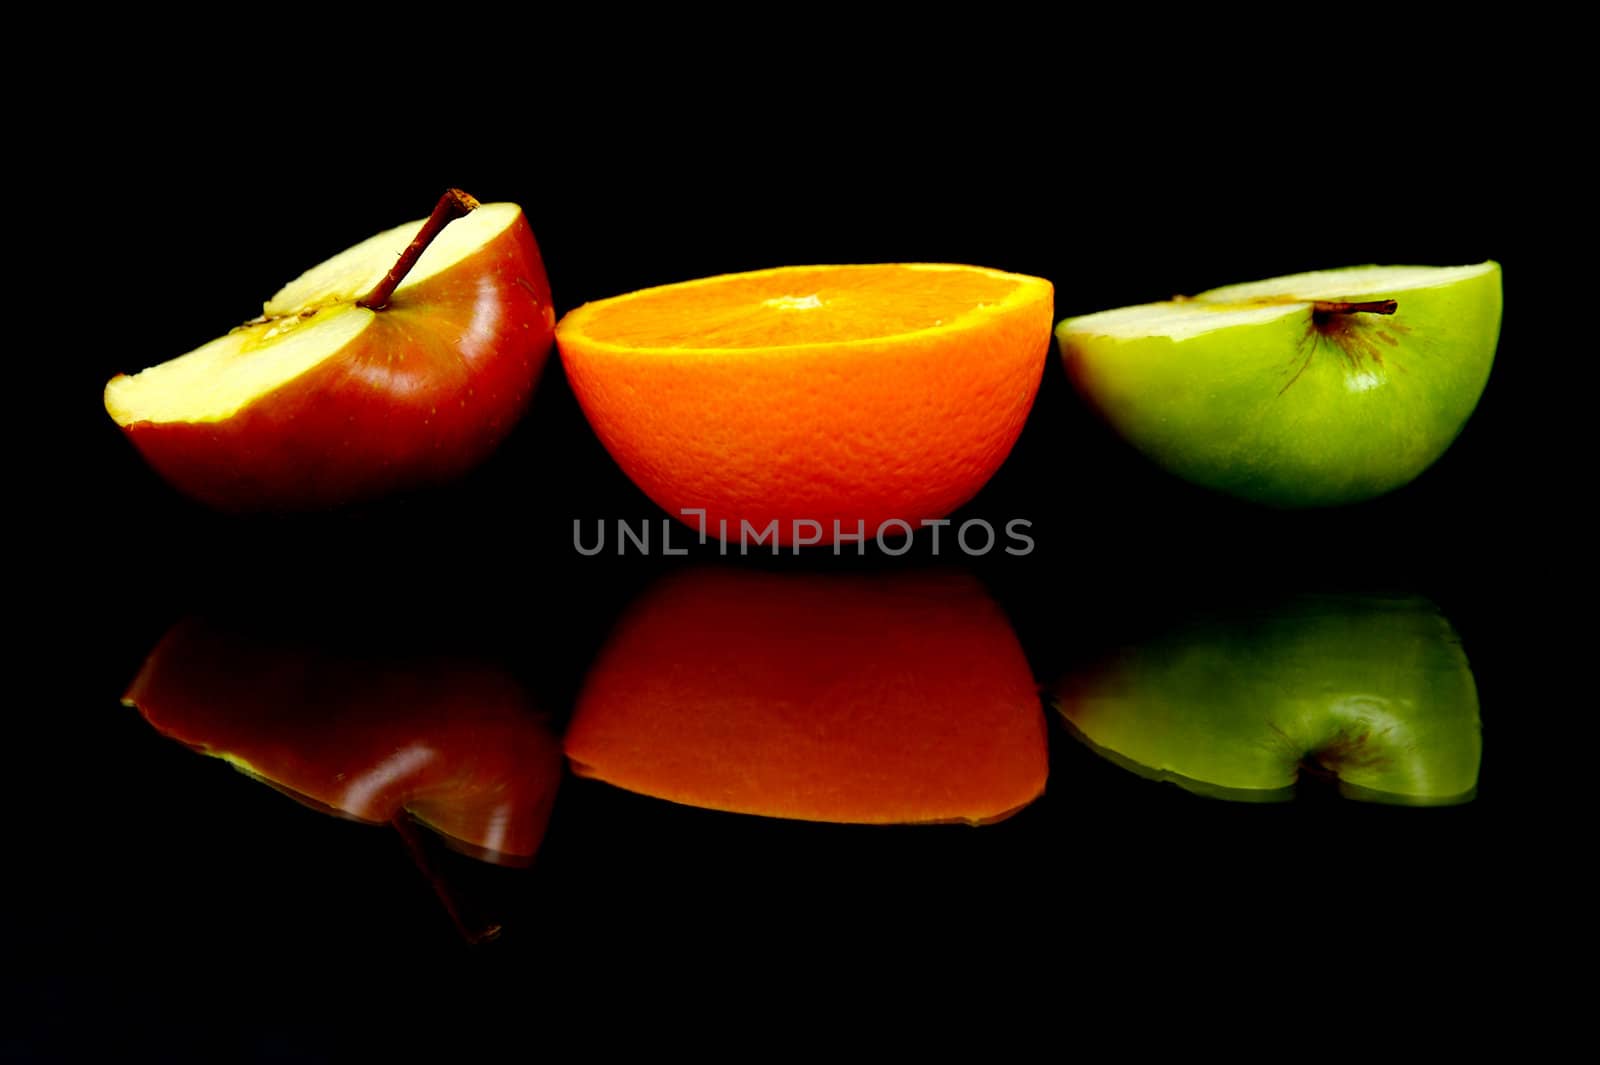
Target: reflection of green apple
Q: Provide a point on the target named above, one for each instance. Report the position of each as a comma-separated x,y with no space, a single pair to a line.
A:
1308,390
1373,691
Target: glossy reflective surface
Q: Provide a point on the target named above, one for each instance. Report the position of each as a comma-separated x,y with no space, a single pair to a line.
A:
877,699
836,695
1373,692
714,762
457,745
165,904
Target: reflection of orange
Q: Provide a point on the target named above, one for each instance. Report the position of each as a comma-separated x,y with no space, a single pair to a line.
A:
856,699
828,393
456,744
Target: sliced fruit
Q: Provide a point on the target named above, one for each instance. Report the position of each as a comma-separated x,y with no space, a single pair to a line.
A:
402,361
1309,390
848,394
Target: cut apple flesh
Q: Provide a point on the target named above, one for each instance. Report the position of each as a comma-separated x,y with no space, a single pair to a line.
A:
1258,302
212,382
1315,389
309,320
1359,281
356,271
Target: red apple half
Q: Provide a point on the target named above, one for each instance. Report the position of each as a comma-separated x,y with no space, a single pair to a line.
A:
455,744
861,699
355,382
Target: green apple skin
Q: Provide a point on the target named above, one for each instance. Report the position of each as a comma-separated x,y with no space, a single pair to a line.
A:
1280,413
1374,691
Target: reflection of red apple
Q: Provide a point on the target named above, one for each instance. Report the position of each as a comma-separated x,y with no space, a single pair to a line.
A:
822,698
457,745
403,360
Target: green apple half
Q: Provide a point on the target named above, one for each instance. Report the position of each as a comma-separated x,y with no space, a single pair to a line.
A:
1309,390
1374,692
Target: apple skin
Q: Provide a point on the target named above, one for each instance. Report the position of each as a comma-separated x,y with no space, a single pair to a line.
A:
1214,409
886,699
424,394
457,744
1374,690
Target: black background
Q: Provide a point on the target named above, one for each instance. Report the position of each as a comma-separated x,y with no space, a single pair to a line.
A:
185,907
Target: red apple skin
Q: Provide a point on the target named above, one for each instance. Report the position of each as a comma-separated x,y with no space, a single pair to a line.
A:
457,744
425,394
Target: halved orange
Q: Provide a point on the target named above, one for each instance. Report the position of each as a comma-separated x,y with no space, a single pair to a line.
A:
847,396
865,699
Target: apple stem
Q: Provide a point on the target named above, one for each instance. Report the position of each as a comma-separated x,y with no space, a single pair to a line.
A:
472,930
1324,308
452,205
